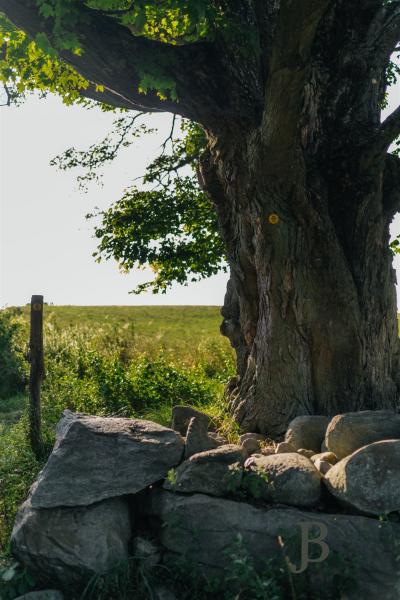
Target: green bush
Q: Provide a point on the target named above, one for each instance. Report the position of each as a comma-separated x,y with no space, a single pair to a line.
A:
102,384
13,365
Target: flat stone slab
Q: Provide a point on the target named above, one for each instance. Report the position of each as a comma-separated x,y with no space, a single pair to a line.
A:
203,528
103,457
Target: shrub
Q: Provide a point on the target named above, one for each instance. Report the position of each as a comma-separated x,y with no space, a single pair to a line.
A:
14,368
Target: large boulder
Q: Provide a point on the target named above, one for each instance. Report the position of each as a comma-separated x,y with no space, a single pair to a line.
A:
350,431
103,457
287,478
208,472
369,479
181,416
71,545
197,438
307,432
203,529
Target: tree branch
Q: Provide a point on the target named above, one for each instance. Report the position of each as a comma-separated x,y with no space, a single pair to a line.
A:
295,33
8,96
115,59
384,34
389,130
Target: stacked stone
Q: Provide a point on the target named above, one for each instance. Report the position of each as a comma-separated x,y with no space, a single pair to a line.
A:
106,476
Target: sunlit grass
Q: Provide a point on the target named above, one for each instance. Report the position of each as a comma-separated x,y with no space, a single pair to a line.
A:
11,410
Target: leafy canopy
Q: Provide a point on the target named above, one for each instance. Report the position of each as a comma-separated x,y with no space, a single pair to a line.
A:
27,65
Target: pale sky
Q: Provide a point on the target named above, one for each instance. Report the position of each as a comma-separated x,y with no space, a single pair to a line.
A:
46,243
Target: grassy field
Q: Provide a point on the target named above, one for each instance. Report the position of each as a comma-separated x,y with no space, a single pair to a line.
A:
147,319
181,332
186,337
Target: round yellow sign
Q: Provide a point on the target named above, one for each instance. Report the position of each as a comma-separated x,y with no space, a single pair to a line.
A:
37,306
273,219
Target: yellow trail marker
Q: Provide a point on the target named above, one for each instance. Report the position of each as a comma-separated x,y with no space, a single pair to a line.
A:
273,219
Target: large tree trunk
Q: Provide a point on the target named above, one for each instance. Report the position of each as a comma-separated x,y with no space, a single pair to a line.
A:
305,206
311,306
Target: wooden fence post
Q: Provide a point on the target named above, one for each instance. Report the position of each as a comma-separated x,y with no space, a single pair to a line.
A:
36,375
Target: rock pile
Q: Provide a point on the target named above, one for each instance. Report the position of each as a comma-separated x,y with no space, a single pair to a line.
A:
108,478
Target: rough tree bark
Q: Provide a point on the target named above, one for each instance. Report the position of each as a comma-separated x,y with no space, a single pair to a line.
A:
298,170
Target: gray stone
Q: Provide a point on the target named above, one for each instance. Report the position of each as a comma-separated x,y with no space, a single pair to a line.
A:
203,528
284,448
369,479
329,457
218,438
197,438
42,595
323,466
101,457
307,453
208,472
251,446
70,545
307,431
350,431
268,450
146,552
287,478
250,460
252,436
181,416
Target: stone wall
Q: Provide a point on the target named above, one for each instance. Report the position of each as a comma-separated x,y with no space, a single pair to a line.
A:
110,483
